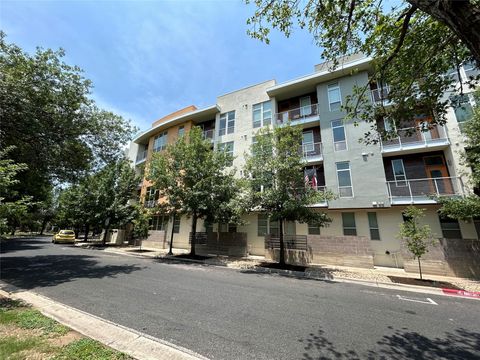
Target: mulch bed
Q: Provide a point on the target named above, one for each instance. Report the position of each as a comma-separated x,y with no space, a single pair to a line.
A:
192,257
424,282
283,267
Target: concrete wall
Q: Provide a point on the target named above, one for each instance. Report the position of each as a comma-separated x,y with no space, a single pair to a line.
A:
362,167
242,102
155,240
231,244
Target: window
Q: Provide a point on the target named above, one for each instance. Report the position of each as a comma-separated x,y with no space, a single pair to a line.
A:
262,114
462,107
349,227
339,139
388,125
307,142
181,131
151,197
334,97
227,123
158,222
305,106
176,225
450,228
373,224
313,229
228,148
399,172
160,142
344,179
262,224
231,228
274,228
290,228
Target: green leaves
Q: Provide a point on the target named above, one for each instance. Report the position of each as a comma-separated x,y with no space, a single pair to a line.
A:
417,237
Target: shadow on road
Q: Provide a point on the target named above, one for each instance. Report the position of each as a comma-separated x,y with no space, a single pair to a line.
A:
402,344
50,270
19,244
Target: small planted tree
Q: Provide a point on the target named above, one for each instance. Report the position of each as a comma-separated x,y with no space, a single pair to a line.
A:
277,183
194,177
417,237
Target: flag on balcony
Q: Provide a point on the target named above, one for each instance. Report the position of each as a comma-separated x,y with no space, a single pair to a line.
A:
307,180
314,181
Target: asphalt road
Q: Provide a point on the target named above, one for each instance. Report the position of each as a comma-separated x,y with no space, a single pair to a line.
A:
227,314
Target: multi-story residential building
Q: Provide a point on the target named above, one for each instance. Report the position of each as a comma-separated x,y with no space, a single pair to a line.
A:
373,183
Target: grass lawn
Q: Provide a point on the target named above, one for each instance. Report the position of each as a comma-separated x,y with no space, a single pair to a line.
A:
27,334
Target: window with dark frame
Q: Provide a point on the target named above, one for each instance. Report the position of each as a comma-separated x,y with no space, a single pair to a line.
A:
349,226
450,228
373,224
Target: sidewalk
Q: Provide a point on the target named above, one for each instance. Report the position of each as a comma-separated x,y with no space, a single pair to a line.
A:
378,275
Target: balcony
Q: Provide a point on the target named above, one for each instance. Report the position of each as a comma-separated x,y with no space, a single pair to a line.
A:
209,135
150,203
380,96
301,115
423,191
141,157
312,152
412,138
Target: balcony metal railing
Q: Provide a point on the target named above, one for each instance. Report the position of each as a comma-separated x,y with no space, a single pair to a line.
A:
297,114
413,137
141,156
423,190
380,95
209,134
150,203
311,151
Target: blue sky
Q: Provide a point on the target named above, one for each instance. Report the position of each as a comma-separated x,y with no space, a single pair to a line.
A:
149,58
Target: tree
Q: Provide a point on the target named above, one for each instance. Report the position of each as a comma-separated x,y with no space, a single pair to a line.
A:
47,113
277,183
102,199
468,207
193,179
13,209
417,47
416,237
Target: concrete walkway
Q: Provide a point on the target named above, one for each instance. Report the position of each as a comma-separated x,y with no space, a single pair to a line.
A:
134,343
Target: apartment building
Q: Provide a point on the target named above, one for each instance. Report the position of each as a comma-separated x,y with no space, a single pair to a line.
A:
373,183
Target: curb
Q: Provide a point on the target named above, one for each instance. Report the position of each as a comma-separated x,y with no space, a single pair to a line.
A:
472,295
129,341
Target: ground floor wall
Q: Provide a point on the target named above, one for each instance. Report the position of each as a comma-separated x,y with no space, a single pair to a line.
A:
331,246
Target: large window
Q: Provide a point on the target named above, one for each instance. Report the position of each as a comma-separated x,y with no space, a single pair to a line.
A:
305,106
334,97
339,138
158,222
160,142
262,114
399,172
349,226
462,106
176,225
151,197
262,224
228,148
227,123
313,229
373,224
307,142
230,228
344,179
181,131
450,228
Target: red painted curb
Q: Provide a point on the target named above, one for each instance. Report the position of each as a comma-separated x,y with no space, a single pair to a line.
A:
454,292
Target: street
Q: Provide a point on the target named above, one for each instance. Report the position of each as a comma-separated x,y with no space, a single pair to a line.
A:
233,314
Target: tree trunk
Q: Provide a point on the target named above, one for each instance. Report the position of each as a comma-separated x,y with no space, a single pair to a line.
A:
44,224
77,230
170,251
420,268
282,245
461,16
104,239
194,232
87,230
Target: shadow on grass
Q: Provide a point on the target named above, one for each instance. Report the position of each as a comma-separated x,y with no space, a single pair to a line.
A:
461,344
51,270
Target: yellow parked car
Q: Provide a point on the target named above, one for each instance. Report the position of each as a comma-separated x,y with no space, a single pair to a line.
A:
64,236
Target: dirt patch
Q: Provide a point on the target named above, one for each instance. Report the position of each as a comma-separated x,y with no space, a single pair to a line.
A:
283,266
66,339
424,282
